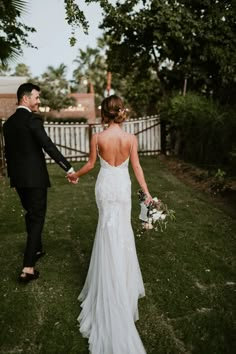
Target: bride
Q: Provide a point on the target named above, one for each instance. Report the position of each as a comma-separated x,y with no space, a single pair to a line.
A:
114,281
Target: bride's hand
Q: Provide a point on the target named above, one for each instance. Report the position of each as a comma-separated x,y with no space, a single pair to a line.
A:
148,199
72,178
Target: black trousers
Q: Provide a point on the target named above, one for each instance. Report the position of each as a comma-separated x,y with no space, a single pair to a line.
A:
34,201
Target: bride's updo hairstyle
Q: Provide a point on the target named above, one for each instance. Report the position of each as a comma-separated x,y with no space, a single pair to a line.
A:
113,109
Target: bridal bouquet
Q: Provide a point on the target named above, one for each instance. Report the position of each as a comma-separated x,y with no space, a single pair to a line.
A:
155,215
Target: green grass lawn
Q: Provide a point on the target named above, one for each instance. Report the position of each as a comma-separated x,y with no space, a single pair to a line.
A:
188,270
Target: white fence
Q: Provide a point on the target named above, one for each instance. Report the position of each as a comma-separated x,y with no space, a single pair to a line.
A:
73,139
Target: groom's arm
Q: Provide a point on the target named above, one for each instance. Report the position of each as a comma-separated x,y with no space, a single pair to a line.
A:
39,133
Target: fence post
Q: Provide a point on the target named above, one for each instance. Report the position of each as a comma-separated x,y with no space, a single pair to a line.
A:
2,157
163,136
90,132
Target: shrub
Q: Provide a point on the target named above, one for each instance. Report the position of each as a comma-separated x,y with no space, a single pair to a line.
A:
65,119
199,130
219,183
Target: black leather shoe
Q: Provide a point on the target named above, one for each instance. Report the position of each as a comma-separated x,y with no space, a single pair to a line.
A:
39,255
26,277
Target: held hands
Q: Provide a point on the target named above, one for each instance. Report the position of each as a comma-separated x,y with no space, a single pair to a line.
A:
72,178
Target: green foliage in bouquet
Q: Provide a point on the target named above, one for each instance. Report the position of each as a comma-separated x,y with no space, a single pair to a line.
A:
154,215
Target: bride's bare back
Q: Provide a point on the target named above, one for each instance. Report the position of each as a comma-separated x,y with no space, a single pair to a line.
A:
114,145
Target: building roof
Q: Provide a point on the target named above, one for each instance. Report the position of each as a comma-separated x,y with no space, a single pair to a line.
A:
10,84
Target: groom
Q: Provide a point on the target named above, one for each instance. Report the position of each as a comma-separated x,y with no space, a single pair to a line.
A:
25,140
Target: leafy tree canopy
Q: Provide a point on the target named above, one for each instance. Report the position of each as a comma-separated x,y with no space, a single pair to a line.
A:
197,39
13,33
54,88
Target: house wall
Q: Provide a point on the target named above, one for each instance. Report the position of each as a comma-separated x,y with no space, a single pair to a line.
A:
7,105
85,107
8,88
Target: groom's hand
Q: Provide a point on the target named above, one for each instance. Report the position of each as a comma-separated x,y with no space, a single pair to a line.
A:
72,178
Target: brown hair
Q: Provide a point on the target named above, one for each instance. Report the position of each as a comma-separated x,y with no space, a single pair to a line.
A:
113,109
26,89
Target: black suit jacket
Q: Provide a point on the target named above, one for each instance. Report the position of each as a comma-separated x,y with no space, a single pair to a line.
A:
25,139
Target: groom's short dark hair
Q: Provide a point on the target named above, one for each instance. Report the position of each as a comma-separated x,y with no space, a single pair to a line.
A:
26,89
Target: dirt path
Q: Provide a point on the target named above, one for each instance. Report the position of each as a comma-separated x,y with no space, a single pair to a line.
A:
198,178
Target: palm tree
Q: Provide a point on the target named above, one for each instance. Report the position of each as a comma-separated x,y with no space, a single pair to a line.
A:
22,69
5,70
56,77
13,32
84,61
92,67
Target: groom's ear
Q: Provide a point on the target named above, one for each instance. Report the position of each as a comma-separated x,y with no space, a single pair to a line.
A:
25,99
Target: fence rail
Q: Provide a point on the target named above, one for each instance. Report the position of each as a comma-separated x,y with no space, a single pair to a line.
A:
73,139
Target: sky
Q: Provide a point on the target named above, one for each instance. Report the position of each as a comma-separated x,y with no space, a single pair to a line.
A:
53,32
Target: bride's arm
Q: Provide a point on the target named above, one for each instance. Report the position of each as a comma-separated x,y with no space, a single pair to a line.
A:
138,171
91,161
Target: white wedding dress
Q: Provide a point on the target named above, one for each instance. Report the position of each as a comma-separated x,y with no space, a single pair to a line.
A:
114,281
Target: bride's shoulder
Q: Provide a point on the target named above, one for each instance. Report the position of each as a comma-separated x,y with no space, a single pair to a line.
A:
130,136
95,136
101,135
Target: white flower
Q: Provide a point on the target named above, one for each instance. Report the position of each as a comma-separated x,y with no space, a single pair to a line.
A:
157,215
153,215
147,226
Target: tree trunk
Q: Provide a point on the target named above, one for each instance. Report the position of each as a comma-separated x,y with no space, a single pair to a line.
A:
177,143
185,86
163,136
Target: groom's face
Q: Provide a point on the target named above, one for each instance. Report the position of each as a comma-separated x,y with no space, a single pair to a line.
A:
33,101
